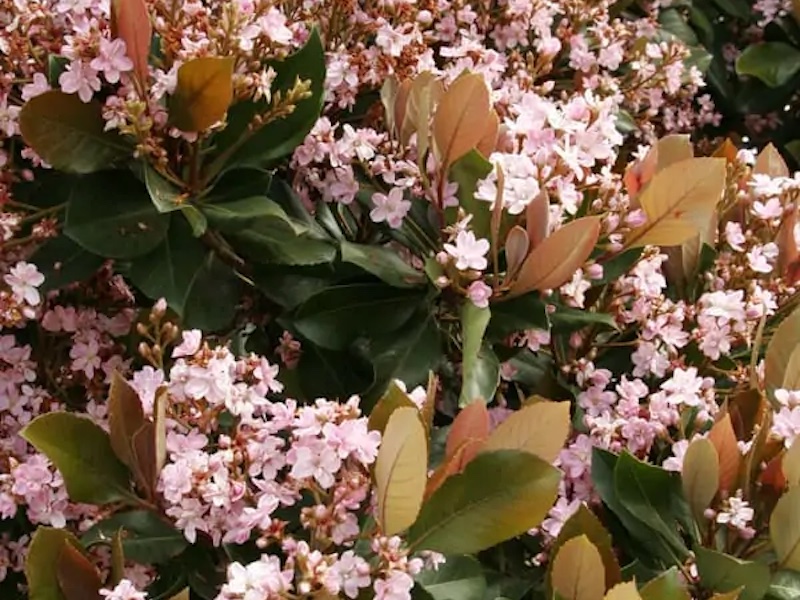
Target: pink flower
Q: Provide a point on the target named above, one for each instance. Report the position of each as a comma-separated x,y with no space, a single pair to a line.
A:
124,590
24,278
273,24
479,293
189,345
469,252
391,208
38,86
396,586
79,78
112,60
85,357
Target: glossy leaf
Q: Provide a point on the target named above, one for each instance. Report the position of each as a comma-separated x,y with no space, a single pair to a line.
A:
577,572
784,529
203,93
77,577
537,218
723,573
130,22
774,63
63,262
465,103
516,248
498,496
540,429
700,475
392,399
785,585
382,262
779,351
69,134
83,454
146,537
488,142
41,561
723,438
471,423
126,417
401,471
124,226
679,202
474,321
466,173
554,261
460,578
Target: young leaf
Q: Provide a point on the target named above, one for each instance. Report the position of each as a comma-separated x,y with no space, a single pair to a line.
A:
391,400
517,246
426,91
791,465
454,463
537,218
117,558
70,134
389,91
160,428
488,142
82,452
577,572
784,529
672,149
730,458
679,202
472,423
700,475
474,321
498,496
667,586
554,261
465,103
125,417
130,22
77,577
770,162
203,93
41,561
624,591
540,429
584,522
779,351
401,470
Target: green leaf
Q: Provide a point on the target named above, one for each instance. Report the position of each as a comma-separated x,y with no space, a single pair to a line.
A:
655,497
566,319
291,286
63,262
110,214
477,364
82,452
466,172
165,196
40,564
784,529
774,63
278,139
230,217
667,586
785,585
335,317
69,134
518,314
330,374
146,539
203,93
460,578
213,297
384,263
499,495
723,573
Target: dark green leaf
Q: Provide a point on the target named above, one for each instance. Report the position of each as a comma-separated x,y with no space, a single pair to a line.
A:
774,63
110,214
82,453
518,314
40,564
499,495
328,374
466,172
70,134
146,539
460,578
213,297
667,586
478,382
278,139
566,319
166,197
63,262
384,263
335,317
785,585
723,573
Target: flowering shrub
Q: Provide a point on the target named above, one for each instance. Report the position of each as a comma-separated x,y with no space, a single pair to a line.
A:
391,300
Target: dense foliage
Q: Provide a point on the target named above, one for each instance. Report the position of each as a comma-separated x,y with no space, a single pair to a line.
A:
394,299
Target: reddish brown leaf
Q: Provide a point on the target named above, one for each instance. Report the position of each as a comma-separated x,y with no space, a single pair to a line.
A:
773,475
130,22
472,423
401,103
727,150
770,162
788,253
537,218
556,259
517,246
77,577
488,142
455,464
203,93
724,440
465,103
